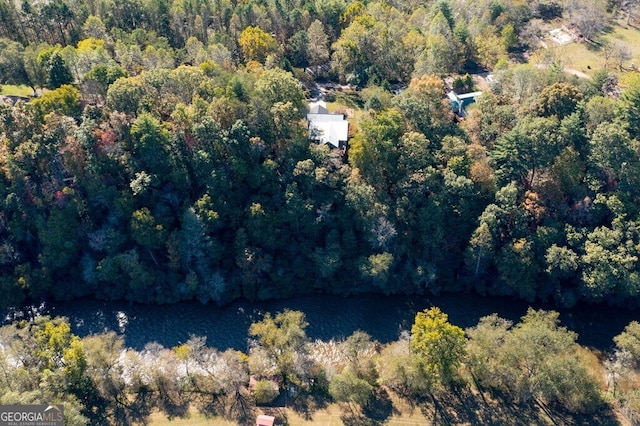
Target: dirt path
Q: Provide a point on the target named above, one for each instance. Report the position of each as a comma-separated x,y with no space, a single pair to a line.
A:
568,71
577,73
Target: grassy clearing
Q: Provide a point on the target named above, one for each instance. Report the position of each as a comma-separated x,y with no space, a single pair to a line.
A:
581,57
194,419
331,416
13,90
588,58
628,35
349,103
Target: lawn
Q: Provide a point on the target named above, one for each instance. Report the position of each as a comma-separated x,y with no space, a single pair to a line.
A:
580,56
194,419
348,103
328,417
589,57
12,90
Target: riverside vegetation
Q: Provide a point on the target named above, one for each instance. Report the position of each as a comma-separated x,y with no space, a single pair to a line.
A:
532,372
167,159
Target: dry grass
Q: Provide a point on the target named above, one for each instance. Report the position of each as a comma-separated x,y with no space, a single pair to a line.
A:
593,360
194,419
330,416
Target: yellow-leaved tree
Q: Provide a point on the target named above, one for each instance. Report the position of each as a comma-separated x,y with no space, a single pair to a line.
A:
438,345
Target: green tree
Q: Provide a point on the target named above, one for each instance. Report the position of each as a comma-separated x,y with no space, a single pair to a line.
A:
58,73
438,57
402,371
35,64
489,48
94,27
318,46
104,76
598,110
629,340
483,340
347,387
265,391
609,264
374,149
517,269
527,149
284,341
370,49
279,105
509,36
64,100
278,86
422,107
440,54
559,99
12,69
358,348
297,49
145,231
126,95
613,154
535,361
630,106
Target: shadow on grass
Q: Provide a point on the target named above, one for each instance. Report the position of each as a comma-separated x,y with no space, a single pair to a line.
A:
380,408
462,405
376,412
279,413
306,405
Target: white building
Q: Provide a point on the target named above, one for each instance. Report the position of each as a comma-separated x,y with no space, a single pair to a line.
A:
327,128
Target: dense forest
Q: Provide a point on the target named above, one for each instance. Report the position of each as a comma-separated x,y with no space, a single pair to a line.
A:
166,156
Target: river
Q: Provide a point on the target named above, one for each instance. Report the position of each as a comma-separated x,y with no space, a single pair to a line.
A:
383,317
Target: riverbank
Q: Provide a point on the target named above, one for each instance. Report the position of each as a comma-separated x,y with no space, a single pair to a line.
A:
330,317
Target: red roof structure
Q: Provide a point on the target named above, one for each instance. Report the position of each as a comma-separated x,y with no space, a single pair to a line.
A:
263,420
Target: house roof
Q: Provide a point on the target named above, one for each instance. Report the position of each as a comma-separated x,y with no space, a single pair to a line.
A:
325,127
263,420
470,95
328,128
318,109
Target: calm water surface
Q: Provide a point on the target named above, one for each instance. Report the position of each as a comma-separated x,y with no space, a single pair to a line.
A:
383,317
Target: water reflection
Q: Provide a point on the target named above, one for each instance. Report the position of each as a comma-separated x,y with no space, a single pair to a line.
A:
383,317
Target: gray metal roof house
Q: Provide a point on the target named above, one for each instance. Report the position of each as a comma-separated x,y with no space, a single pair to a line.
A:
325,127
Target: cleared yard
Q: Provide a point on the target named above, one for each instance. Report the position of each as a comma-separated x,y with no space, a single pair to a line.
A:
588,58
330,416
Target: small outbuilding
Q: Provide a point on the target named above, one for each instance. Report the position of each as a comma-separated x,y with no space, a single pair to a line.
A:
325,127
264,420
